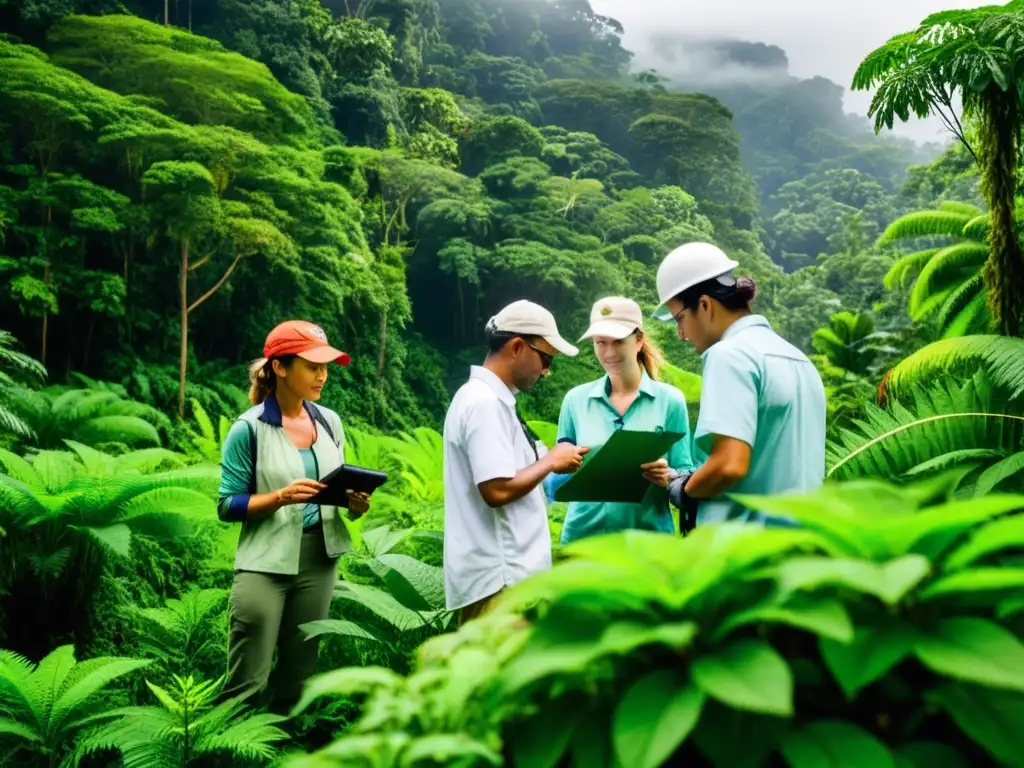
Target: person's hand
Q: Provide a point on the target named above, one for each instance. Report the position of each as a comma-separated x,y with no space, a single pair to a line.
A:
659,473
358,504
300,491
566,458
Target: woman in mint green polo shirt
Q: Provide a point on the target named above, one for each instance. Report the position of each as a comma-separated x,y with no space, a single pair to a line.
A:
285,564
762,405
628,396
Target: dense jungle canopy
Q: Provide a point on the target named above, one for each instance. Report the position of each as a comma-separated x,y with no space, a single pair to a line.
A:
397,170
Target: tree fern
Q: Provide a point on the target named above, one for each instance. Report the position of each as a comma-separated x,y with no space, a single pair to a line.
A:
947,269
934,428
44,707
185,727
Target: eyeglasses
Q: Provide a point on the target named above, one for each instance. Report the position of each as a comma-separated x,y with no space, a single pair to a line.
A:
545,358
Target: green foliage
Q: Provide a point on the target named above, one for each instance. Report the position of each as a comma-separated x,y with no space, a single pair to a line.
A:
68,513
647,649
44,707
974,55
948,279
186,728
179,635
15,366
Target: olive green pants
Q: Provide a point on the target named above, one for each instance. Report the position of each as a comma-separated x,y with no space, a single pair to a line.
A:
265,613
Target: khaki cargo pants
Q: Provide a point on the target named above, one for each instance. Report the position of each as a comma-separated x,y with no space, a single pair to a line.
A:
265,613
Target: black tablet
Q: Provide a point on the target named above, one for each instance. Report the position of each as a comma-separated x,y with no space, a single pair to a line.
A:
348,478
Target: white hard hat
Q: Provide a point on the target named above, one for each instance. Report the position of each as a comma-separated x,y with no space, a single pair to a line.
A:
687,266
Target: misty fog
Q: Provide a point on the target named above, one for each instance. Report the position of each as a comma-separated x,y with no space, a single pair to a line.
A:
826,39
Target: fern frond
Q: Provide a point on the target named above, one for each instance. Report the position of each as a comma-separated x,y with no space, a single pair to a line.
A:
250,738
1000,357
14,425
926,224
962,209
130,430
966,310
18,468
977,228
946,269
947,424
88,679
22,364
907,267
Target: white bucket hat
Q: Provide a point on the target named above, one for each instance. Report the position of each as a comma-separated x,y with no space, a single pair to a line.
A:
614,317
524,318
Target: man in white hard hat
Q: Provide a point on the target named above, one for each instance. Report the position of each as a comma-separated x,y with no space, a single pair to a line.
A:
496,529
762,405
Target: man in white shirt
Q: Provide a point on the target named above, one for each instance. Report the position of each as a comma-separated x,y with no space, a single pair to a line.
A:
495,515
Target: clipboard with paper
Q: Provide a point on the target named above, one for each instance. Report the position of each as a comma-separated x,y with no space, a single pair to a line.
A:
612,473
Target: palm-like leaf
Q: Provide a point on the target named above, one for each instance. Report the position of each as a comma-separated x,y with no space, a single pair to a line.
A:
947,279
21,365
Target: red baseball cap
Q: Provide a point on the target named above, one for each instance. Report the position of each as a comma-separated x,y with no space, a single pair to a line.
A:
308,341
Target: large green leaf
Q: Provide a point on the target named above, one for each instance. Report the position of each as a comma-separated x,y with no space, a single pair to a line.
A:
974,581
337,627
1004,533
835,744
820,614
748,674
890,581
654,717
382,604
989,716
873,652
347,682
974,650
415,584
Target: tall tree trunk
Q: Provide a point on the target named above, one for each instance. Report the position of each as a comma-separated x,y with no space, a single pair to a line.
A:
167,12
183,292
1004,269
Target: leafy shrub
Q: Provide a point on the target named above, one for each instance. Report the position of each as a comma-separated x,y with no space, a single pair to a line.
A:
878,633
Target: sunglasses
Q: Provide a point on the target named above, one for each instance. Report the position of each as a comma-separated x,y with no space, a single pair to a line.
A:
545,358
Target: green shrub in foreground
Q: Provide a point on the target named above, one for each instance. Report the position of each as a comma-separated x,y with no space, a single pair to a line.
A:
881,633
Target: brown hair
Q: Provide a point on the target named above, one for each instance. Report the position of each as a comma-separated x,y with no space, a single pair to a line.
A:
735,297
649,356
262,379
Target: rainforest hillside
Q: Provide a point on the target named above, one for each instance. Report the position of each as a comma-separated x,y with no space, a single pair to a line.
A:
397,170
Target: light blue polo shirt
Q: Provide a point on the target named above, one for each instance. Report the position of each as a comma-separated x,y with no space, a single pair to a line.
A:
588,418
759,388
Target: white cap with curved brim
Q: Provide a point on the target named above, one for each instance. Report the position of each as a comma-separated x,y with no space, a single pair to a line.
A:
614,317
524,318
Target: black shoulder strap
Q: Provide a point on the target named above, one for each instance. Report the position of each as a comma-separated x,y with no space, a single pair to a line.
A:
253,454
322,420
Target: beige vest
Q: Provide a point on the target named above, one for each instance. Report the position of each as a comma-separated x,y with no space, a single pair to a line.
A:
272,545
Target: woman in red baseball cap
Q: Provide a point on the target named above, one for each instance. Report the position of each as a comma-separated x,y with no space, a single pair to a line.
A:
285,564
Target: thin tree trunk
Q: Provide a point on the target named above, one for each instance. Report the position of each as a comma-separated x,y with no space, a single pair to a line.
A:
383,339
167,12
183,291
46,316
1004,270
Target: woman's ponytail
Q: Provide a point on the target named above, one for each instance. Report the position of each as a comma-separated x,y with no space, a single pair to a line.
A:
650,357
262,380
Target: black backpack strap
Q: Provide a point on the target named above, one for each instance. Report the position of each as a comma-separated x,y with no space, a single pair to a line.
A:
253,454
320,419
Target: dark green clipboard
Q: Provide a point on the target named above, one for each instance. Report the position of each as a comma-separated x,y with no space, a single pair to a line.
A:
613,473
